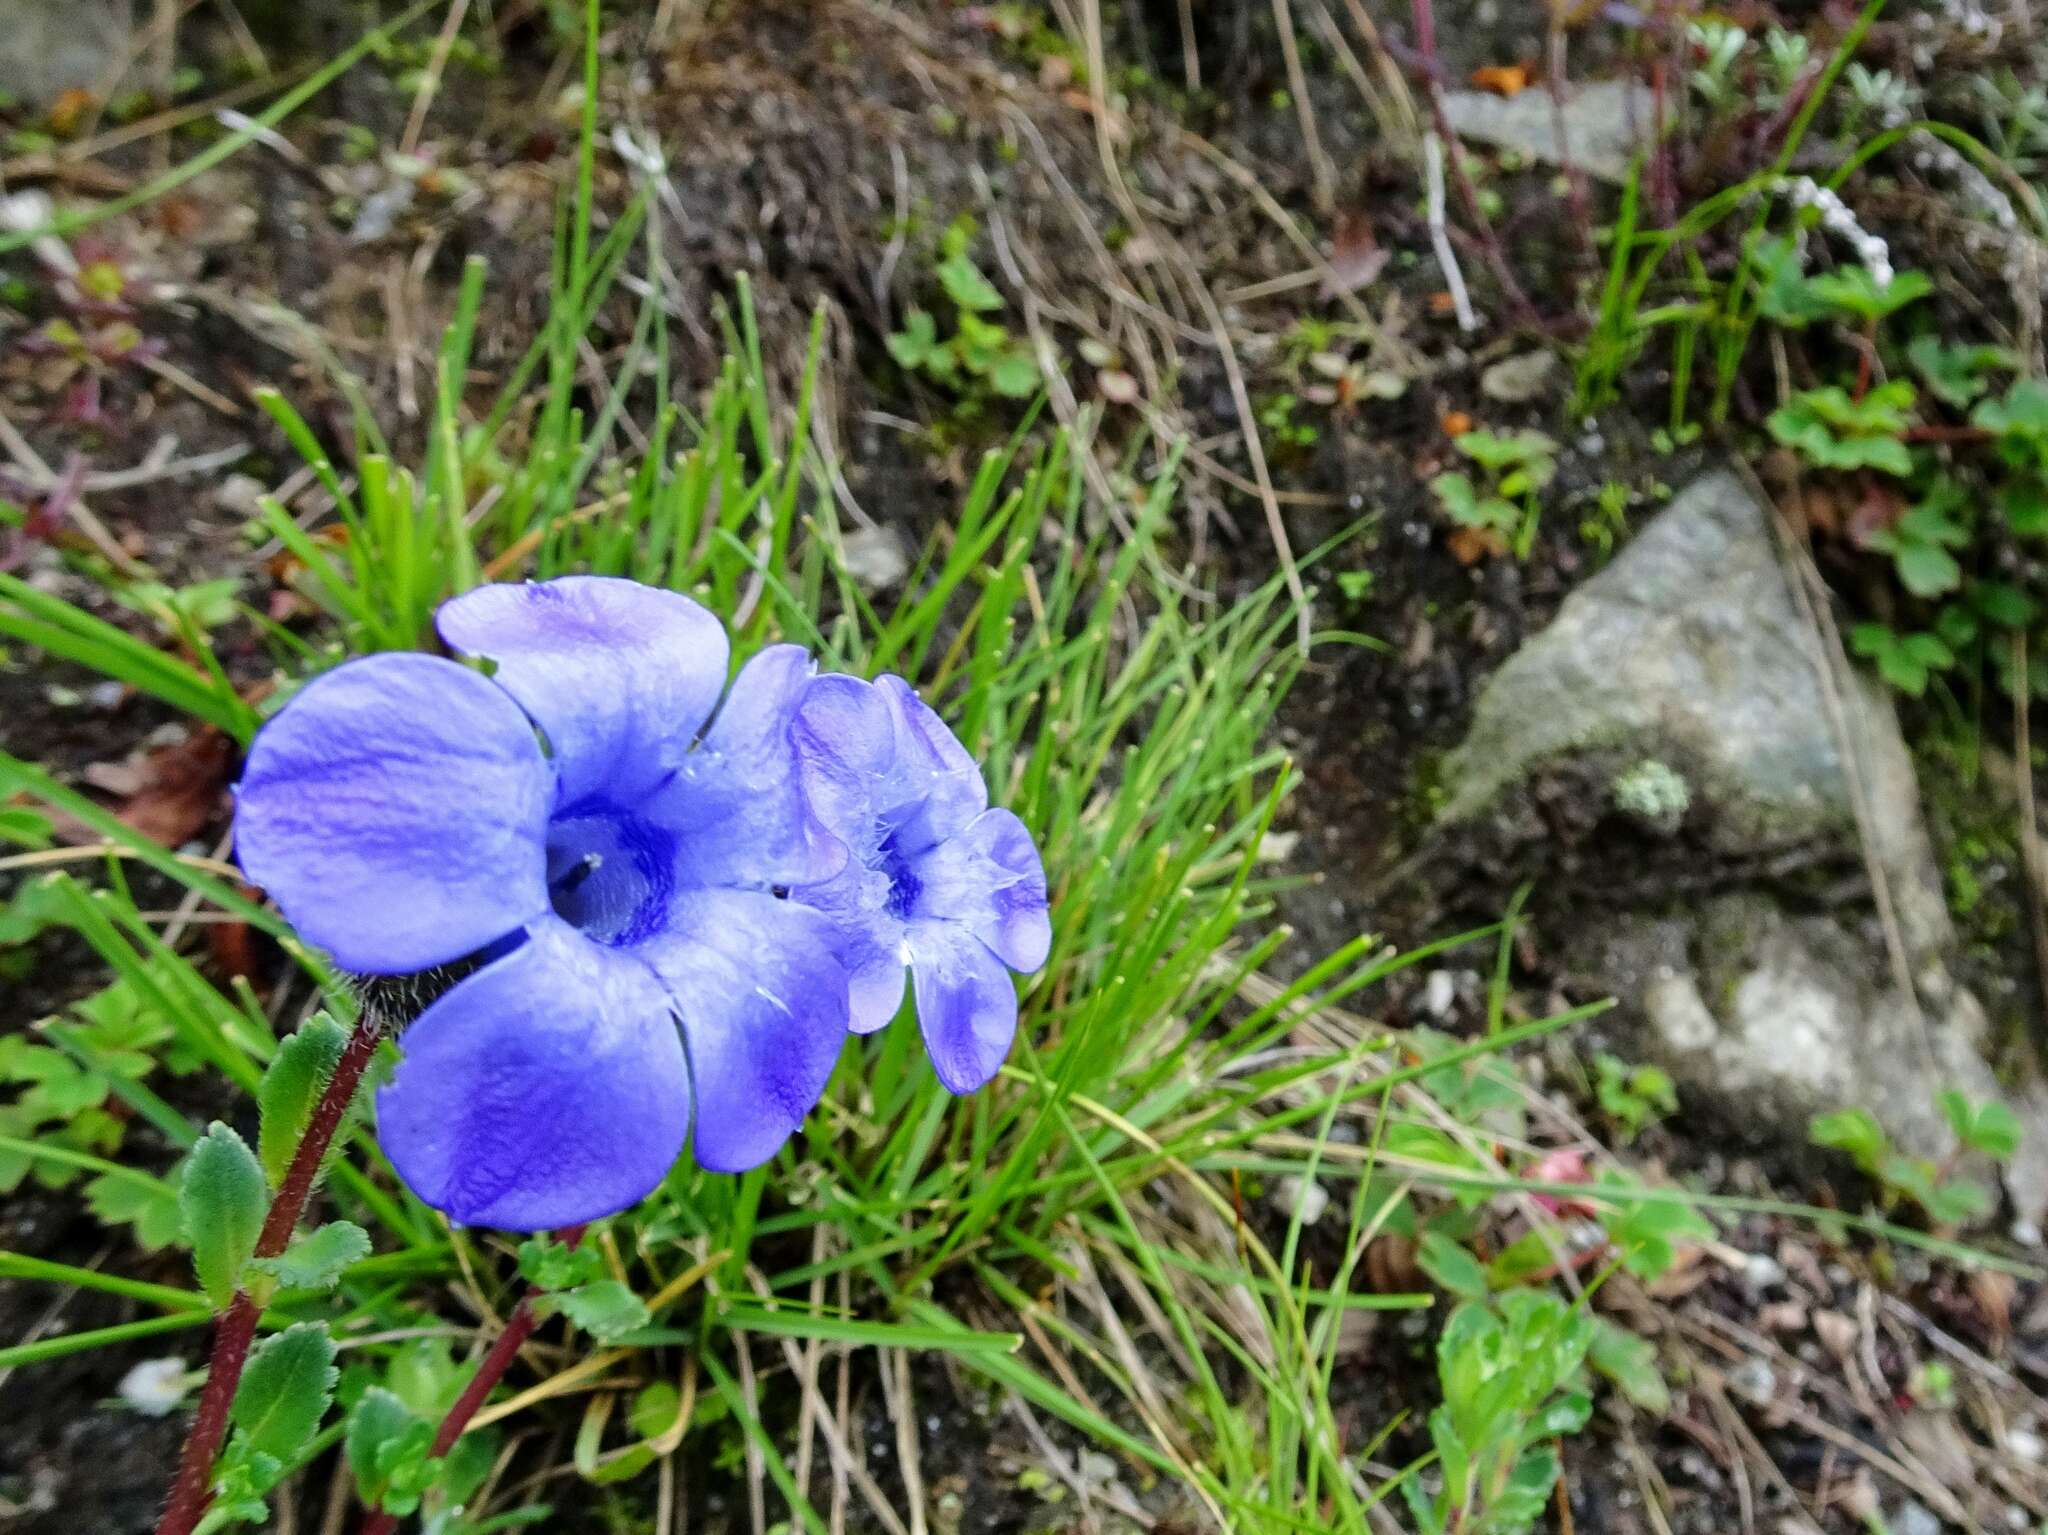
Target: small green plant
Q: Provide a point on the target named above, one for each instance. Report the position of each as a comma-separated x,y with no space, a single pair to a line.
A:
1988,1129
1285,431
1832,429
979,356
1512,1377
1514,469
1633,1097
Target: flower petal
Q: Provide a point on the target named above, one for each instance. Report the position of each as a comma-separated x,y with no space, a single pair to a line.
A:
736,804
869,940
547,1089
966,1003
990,878
845,738
933,776
396,810
762,997
619,676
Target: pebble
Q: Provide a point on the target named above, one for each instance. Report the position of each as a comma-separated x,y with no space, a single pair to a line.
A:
1760,1271
1439,991
240,495
1754,1381
875,558
1302,1197
1518,380
1913,1519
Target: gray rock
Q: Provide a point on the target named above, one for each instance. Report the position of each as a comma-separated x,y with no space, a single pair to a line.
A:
48,47
1690,650
1603,124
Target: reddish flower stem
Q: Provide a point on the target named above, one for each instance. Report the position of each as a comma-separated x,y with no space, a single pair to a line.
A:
518,1328
236,1331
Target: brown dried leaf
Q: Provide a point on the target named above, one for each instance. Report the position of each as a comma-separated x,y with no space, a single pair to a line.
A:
1471,545
177,787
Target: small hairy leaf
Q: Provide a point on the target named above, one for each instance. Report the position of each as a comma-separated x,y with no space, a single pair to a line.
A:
292,1087
315,1261
285,1391
384,1437
222,1201
604,1309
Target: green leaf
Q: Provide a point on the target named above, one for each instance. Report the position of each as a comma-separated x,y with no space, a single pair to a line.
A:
604,1309
152,1211
2025,505
965,285
385,1438
291,1089
1989,1127
1783,293
548,1263
1855,290
1015,376
1955,374
1631,1363
1451,1266
2004,605
222,1201
1926,570
1855,1131
285,1390
913,345
316,1261
654,1410
1959,1202
2021,414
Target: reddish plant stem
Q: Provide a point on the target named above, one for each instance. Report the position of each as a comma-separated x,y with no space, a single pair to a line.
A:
192,1490
489,1371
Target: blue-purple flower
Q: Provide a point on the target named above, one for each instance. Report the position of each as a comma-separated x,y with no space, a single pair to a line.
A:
935,884
619,843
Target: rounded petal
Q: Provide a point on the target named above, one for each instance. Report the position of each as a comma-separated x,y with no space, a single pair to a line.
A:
966,1003
762,996
736,803
933,774
874,993
845,737
618,675
547,1089
397,811
990,878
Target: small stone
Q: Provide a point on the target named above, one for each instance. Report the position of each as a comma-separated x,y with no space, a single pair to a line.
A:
1913,1519
1755,1382
2025,1441
875,558
1519,380
1301,1197
154,1387
240,495
1439,991
1835,1331
1760,1272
